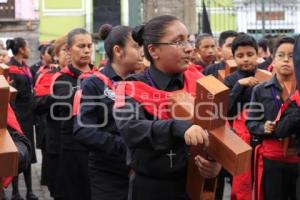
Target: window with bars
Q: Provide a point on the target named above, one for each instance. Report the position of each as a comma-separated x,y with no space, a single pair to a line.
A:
7,9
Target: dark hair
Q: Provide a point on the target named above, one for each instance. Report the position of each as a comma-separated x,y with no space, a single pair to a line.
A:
40,47
263,43
73,33
151,32
15,44
283,40
243,40
272,43
45,48
226,34
200,37
112,36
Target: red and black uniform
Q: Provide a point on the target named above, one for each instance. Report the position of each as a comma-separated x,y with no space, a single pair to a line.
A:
275,174
95,127
47,134
157,150
213,69
239,97
20,75
289,125
35,68
74,156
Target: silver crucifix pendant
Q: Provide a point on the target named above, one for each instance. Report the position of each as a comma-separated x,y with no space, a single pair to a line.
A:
170,155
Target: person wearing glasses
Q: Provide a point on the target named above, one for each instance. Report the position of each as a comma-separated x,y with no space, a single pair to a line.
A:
158,145
278,172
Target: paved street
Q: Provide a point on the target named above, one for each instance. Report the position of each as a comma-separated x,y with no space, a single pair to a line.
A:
42,191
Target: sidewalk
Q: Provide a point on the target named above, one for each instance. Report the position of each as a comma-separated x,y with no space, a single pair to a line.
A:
41,191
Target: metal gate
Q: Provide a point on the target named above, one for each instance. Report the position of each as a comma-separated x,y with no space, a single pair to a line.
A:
256,17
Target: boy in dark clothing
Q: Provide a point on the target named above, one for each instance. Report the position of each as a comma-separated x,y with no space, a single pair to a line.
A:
244,49
225,42
206,49
289,122
277,178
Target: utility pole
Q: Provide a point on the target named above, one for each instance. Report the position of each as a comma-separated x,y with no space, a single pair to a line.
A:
263,20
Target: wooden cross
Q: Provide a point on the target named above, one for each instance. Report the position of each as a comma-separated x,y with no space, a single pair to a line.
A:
230,67
208,109
8,151
4,70
263,75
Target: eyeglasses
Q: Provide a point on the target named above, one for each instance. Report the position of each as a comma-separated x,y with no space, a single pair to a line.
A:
282,56
179,44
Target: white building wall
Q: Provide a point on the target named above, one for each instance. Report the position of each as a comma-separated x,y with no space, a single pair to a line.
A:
26,9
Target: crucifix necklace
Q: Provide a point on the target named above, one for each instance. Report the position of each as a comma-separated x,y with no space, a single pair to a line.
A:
170,155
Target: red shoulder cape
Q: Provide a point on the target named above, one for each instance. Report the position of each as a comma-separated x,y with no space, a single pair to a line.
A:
273,150
13,123
154,98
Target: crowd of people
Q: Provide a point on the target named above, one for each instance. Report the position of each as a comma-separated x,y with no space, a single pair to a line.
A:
101,140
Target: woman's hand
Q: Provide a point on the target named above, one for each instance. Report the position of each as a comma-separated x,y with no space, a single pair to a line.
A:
207,168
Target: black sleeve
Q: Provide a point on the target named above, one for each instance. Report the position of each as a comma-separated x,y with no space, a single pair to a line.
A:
212,69
141,132
61,108
34,69
89,126
42,104
15,82
255,118
208,70
24,148
235,96
289,123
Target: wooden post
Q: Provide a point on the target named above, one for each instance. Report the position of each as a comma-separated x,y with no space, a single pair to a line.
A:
230,67
208,109
4,70
8,151
263,75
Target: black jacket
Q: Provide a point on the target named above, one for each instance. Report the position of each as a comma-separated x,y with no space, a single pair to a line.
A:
264,106
150,141
95,126
239,95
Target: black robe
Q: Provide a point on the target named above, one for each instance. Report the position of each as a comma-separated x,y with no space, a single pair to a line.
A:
157,151
21,78
109,174
74,155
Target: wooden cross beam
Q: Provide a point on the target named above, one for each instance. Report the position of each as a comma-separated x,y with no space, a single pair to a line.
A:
4,70
263,75
8,151
230,67
208,109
